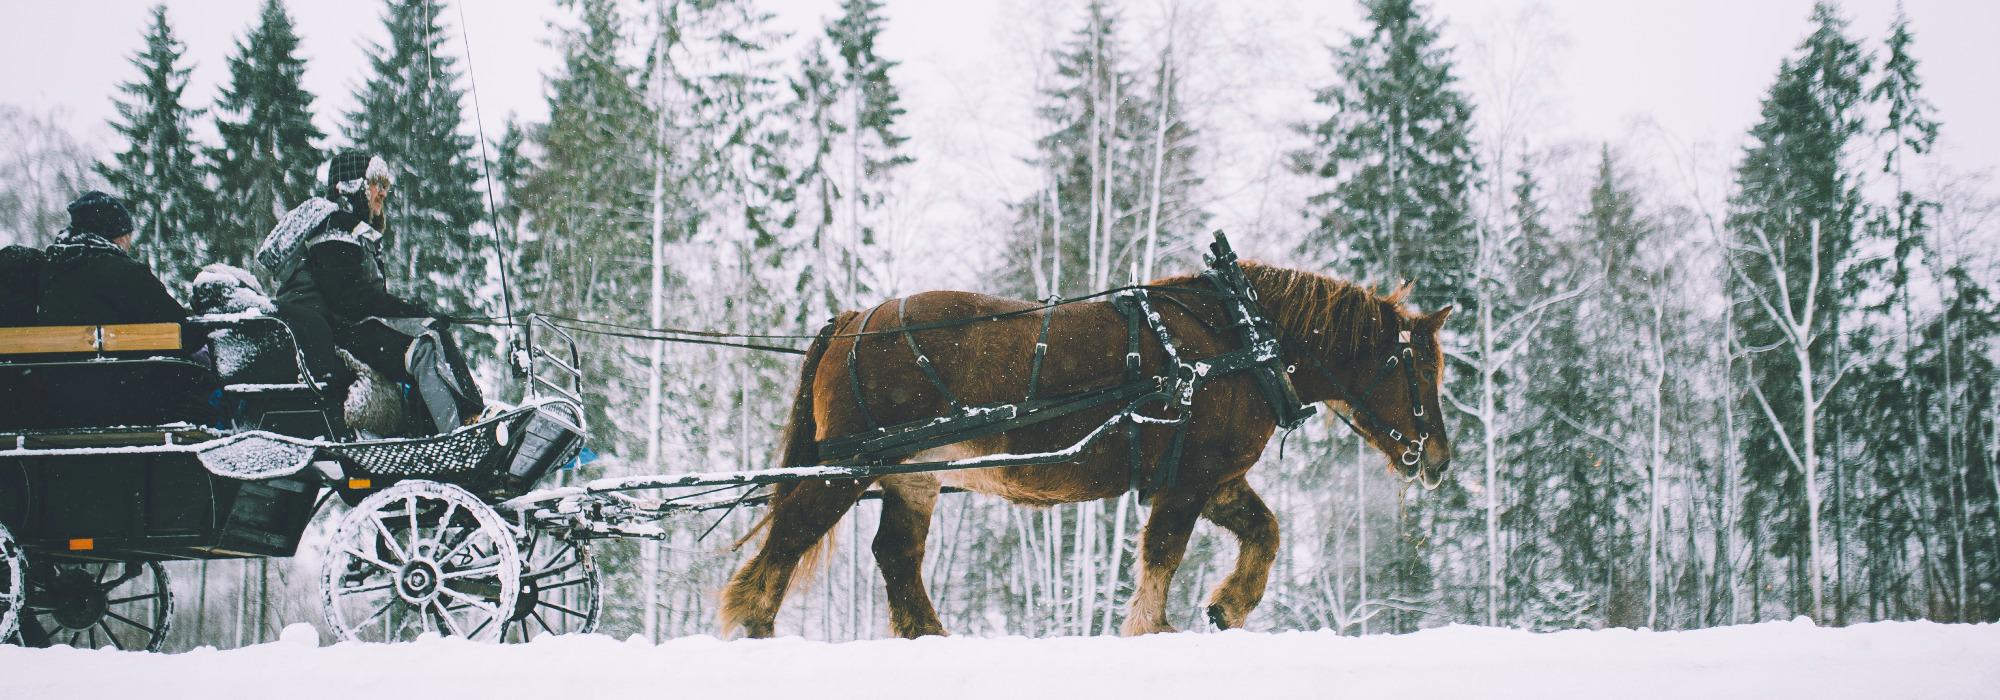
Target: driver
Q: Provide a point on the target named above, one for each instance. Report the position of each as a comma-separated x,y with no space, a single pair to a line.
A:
326,255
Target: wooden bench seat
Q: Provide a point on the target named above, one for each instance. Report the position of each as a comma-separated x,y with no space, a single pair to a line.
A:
126,337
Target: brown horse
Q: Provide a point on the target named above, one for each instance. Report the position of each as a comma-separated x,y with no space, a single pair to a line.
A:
1346,333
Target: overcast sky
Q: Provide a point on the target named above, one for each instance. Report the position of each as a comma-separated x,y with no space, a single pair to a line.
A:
1695,68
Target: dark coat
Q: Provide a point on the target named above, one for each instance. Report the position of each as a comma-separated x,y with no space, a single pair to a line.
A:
88,281
341,278
20,284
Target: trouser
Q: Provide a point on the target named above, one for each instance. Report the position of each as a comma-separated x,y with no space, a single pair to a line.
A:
408,350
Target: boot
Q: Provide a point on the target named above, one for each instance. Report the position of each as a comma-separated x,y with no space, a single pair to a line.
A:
445,387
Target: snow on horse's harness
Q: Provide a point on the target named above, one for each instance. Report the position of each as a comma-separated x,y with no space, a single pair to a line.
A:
1259,353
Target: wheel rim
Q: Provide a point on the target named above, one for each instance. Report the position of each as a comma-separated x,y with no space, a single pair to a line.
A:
421,557
559,590
13,572
118,605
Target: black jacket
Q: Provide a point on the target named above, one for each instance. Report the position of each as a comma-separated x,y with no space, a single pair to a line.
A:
341,278
20,284
88,281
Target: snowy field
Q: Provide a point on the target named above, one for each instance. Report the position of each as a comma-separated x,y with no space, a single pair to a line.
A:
1773,660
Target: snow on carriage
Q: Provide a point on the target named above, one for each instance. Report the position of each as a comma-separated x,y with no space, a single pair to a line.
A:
124,446
457,534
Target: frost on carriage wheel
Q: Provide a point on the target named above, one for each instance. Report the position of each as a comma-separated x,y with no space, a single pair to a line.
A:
559,590
13,570
420,557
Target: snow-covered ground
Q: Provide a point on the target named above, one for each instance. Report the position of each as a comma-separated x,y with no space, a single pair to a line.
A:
1774,660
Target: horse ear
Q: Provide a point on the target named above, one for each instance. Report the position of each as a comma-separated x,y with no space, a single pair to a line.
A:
1437,318
1403,291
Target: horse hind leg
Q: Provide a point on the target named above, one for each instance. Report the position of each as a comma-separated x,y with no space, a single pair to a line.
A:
1238,509
798,524
899,551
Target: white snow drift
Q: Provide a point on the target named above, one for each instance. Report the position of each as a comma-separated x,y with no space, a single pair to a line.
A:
1773,660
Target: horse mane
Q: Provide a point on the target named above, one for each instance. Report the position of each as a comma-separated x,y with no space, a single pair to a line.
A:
1314,310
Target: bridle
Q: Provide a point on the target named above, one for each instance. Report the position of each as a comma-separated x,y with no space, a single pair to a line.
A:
1413,445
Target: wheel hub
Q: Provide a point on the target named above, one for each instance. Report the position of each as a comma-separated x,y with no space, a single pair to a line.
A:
76,602
418,581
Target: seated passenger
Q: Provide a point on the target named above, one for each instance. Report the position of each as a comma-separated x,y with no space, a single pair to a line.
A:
20,284
326,256
91,279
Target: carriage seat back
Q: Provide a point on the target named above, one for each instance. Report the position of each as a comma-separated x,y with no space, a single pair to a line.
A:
94,376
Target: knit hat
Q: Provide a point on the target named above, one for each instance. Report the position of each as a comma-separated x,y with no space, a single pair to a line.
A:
347,170
99,213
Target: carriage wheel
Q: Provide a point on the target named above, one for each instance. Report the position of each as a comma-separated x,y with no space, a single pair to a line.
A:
92,605
559,590
420,557
13,583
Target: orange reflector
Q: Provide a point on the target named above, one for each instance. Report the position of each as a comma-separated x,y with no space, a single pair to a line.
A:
358,484
82,544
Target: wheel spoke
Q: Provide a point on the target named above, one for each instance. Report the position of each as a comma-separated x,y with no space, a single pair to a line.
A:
564,584
482,626
132,571
378,613
367,588
350,550
462,573
558,607
444,524
109,635
122,601
449,623
410,501
121,618
384,534
540,621
470,535
475,601
551,571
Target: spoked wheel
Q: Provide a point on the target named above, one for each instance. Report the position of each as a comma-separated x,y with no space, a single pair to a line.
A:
121,605
559,590
13,583
420,557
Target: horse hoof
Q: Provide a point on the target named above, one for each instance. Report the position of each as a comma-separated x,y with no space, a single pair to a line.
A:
1216,616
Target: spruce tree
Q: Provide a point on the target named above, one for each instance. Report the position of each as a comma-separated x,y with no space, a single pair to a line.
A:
1891,395
1792,229
269,156
1395,159
870,107
585,200
158,173
1064,230
410,114
582,247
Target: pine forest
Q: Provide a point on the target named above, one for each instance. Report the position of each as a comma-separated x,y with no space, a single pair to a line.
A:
1677,401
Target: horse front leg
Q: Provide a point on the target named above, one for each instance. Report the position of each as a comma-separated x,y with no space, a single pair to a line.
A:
1162,543
1238,509
899,551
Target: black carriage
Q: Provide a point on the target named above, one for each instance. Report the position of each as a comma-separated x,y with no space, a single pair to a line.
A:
125,446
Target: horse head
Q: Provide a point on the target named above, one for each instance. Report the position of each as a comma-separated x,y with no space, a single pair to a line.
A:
1376,363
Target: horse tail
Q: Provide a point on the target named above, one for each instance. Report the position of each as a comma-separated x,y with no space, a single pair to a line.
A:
801,444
